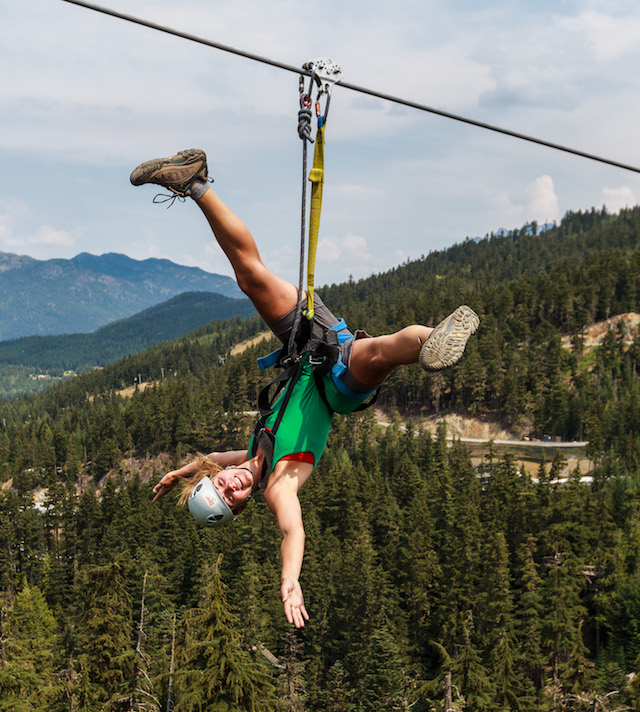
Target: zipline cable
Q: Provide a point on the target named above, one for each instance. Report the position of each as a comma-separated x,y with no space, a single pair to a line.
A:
353,87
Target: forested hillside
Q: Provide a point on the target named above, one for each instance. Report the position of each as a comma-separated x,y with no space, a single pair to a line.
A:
31,364
418,564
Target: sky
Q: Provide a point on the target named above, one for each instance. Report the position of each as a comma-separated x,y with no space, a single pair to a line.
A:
85,97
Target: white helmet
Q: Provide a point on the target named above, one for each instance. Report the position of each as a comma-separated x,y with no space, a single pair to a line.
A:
207,506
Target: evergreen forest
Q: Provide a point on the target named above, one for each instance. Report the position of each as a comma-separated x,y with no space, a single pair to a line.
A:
432,583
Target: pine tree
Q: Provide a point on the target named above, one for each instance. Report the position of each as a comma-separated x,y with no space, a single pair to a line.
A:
528,614
142,697
579,671
337,694
26,674
383,681
8,541
215,673
459,536
494,616
292,685
104,631
418,569
470,675
563,611
505,676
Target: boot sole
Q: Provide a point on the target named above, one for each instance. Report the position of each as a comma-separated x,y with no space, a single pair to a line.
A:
145,171
446,344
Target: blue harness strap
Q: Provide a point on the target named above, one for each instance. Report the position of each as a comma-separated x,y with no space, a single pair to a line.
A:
269,360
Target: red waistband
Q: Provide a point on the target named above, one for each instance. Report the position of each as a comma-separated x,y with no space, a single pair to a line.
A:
300,457
308,457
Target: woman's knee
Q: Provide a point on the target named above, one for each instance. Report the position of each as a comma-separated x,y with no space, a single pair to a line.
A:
370,360
272,297
252,278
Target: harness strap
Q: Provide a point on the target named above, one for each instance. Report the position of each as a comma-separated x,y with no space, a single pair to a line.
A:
265,400
265,437
316,177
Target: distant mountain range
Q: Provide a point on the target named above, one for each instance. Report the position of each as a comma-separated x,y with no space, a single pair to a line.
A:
163,322
44,297
32,364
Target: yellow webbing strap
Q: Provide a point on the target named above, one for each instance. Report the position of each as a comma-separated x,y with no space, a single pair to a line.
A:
316,176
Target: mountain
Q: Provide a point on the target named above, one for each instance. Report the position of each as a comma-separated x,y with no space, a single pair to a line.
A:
163,322
42,297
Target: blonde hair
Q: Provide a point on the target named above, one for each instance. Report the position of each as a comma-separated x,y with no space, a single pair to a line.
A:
207,468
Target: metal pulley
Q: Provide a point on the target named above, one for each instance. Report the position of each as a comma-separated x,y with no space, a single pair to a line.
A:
325,72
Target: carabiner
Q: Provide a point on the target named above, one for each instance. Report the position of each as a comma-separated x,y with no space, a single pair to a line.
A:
311,83
323,117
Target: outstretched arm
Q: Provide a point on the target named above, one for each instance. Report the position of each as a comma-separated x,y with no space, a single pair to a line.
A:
283,501
171,479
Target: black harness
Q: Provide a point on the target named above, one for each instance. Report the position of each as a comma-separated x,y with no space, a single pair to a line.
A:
323,354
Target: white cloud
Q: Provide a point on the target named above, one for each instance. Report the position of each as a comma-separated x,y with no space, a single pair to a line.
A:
538,202
616,199
349,255
50,236
608,36
19,228
329,249
12,211
543,201
5,229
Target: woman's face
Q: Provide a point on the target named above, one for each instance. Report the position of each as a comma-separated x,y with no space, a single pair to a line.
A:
234,485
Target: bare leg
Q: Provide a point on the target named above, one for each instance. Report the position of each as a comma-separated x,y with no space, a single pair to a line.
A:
372,360
272,296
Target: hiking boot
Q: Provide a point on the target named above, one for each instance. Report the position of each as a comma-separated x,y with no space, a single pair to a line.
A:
176,173
446,343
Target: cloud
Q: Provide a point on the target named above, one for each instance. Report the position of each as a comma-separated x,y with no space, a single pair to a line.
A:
12,211
616,199
50,236
606,35
19,229
5,229
538,202
349,255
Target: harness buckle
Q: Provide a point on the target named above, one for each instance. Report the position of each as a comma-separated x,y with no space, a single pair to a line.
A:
289,360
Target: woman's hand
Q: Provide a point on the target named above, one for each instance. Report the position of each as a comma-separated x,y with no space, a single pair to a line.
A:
293,601
166,484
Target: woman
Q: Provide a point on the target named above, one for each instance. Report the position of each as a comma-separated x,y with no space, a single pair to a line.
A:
221,484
